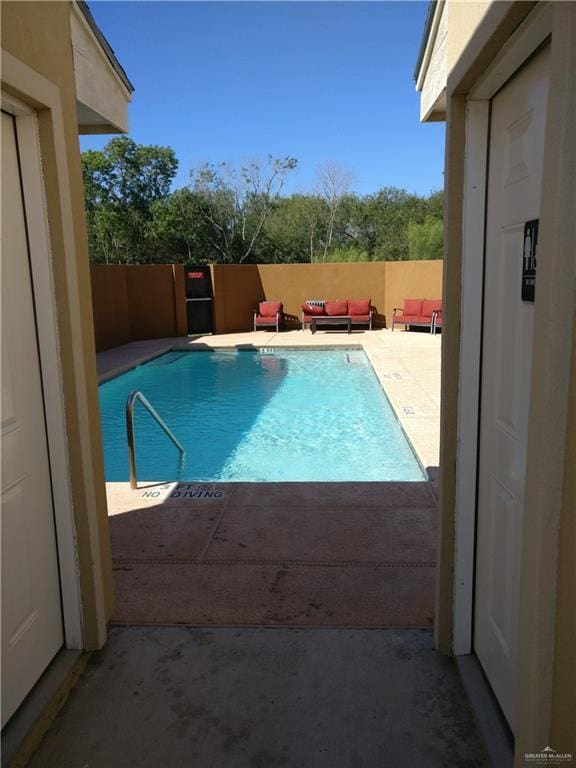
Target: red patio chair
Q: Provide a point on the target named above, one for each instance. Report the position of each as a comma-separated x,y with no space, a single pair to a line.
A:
437,319
269,314
430,310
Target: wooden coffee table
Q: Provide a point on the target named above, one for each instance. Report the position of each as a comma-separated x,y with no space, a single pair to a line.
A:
331,320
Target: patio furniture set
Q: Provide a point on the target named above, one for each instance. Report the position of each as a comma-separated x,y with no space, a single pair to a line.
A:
349,313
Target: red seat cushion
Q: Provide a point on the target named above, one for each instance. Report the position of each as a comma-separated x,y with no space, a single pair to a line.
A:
337,308
269,308
412,307
313,310
358,307
412,319
431,305
360,318
265,320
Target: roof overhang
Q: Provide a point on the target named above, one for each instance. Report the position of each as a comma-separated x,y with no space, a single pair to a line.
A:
431,71
103,90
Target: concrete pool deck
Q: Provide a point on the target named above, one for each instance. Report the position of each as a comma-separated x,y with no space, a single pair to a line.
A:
355,554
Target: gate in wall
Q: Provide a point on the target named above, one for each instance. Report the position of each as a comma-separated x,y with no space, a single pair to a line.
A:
199,299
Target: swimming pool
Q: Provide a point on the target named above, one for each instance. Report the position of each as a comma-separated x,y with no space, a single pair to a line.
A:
258,416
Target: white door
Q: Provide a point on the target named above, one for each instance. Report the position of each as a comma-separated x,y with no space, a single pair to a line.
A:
517,130
31,609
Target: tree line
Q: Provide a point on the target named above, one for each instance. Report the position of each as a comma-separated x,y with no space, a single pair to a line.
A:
232,214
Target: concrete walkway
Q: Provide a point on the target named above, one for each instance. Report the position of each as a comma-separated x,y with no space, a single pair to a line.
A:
168,697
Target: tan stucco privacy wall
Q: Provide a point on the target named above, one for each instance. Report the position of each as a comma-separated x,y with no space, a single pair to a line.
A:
239,288
133,302
137,302
37,34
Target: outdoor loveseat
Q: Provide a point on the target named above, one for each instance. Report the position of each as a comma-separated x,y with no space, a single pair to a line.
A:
350,313
426,312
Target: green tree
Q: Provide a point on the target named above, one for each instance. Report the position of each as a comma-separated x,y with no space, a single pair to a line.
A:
294,230
121,182
426,240
350,254
239,200
238,214
178,229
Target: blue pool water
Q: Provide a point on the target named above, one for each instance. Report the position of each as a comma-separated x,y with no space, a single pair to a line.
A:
313,415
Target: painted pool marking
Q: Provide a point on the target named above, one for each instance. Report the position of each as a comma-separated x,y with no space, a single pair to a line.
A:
190,491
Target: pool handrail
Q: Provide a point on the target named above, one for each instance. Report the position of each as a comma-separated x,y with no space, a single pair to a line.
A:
133,397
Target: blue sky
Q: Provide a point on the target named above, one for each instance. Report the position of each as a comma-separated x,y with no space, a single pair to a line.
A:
321,81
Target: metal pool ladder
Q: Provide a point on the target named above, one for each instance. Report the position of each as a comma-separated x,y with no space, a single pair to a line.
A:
133,397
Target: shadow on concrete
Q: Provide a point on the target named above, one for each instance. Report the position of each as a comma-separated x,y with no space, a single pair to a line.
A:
275,554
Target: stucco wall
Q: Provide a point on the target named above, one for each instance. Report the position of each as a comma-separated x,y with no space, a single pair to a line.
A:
453,26
147,302
102,97
38,35
239,288
237,291
110,303
133,302
434,85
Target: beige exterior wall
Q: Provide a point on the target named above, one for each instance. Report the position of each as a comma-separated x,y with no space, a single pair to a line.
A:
134,302
433,84
453,25
101,95
547,628
464,17
37,36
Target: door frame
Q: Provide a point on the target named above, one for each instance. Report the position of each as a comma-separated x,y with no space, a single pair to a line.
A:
49,358
529,36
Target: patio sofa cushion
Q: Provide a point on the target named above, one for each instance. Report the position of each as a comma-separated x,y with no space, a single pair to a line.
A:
265,320
429,306
359,307
412,319
312,310
413,307
269,308
360,318
336,308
